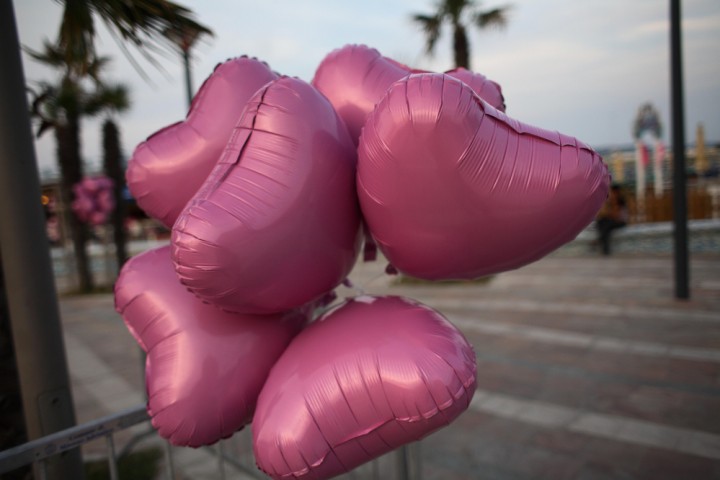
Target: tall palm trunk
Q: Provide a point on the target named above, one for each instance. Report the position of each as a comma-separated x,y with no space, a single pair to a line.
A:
68,145
461,47
114,169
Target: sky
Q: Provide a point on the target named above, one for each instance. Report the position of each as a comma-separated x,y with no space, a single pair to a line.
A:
579,67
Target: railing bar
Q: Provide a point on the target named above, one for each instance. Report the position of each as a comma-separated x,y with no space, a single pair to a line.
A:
112,461
69,438
221,460
169,461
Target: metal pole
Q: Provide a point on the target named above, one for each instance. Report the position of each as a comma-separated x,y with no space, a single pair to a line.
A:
682,290
32,302
188,76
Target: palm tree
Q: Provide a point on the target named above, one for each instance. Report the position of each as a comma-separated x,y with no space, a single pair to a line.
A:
140,23
60,107
459,14
113,100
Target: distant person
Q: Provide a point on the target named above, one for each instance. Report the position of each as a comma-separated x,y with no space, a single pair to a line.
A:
612,215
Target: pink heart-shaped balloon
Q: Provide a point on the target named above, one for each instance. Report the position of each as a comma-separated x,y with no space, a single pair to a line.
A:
367,377
276,224
167,169
205,367
354,78
452,188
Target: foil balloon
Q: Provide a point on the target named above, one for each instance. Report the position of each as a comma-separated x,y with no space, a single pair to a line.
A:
450,187
94,200
167,169
205,367
354,78
485,88
276,224
367,377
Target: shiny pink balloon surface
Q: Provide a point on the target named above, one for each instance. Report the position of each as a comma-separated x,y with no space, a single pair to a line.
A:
354,78
205,367
450,187
276,224
367,377
167,169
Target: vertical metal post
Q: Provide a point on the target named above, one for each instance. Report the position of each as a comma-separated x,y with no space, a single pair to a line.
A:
112,458
169,461
32,302
401,458
221,460
188,75
682,290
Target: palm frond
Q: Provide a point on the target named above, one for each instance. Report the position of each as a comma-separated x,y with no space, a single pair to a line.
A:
430,24
141,23
107,98
496,17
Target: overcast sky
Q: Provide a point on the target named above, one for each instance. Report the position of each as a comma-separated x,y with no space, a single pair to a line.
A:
579,67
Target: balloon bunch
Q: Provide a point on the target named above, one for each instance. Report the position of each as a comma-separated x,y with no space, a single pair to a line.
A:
269,185
94,199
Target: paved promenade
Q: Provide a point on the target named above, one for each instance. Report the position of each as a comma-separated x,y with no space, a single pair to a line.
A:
588,369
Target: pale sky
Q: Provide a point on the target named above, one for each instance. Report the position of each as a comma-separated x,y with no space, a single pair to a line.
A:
580,67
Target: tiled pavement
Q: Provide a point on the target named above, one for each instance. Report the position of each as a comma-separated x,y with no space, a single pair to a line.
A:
588,368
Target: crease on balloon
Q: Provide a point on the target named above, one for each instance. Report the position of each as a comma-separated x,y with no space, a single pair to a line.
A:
134,297
483,162
441,98
531,163
371,65
517,126
155,319
423,377
181,247
235,212
172,436
260,186
400,421
504,157
304,459
342,392
465,383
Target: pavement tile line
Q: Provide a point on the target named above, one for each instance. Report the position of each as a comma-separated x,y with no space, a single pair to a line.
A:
599,343
565,308
612,427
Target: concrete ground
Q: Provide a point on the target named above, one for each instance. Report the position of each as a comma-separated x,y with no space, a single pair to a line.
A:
588,368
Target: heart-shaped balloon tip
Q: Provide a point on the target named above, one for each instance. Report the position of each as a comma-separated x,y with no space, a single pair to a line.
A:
166,170
204,367
367,377
276,224
450,187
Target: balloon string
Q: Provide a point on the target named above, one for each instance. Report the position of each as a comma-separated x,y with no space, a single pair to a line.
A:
361,287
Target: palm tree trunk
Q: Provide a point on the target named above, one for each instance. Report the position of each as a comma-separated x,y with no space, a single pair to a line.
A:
461,47
68,145
114,170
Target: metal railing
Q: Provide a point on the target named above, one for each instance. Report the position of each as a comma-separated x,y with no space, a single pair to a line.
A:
402,464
